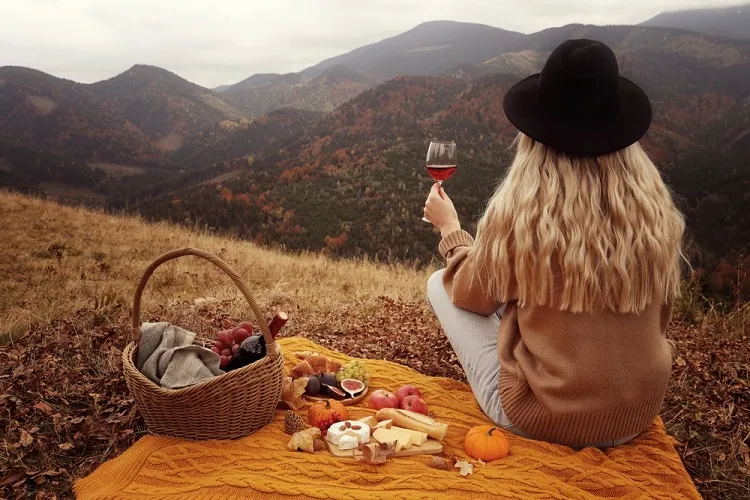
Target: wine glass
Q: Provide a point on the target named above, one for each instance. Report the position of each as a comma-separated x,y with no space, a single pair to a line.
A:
441,161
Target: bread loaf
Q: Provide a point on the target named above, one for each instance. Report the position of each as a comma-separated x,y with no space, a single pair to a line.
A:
414,421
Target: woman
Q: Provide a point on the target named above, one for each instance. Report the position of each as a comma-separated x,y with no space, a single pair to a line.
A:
580,246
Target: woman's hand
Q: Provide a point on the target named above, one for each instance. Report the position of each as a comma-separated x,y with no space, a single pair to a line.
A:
439,210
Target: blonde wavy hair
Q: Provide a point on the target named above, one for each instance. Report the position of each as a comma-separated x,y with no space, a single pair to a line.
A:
581,234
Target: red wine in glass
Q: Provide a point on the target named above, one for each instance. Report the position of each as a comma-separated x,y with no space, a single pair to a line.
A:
441,172
441,161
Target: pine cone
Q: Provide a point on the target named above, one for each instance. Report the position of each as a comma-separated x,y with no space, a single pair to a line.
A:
293,423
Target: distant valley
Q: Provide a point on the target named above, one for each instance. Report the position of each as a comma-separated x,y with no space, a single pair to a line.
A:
330,158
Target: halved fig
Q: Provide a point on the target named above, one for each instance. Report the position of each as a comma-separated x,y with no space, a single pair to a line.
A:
352,386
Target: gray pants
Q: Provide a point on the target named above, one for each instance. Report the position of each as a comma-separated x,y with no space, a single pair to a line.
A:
474,339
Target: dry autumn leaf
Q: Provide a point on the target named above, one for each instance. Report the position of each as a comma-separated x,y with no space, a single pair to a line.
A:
44,407
292,391
375,453
304,440
440,463
26,438
466,467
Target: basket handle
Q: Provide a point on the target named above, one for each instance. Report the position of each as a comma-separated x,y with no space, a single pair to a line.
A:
213,259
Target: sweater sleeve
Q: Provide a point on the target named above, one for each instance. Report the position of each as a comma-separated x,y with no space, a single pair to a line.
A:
460,278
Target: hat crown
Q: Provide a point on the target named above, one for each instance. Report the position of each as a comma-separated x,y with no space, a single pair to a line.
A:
581,82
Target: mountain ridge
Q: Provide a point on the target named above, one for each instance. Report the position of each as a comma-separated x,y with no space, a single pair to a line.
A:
730,22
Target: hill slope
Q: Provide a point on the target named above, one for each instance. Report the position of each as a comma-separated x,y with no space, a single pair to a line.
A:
163,105
67,294
731,22
42,112
262,93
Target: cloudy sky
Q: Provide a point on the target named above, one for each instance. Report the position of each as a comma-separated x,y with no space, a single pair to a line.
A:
215,42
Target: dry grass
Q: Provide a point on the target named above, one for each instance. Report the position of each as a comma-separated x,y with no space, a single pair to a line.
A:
67,276
58,260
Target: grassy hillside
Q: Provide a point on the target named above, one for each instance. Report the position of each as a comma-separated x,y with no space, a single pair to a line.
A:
67,259
67,281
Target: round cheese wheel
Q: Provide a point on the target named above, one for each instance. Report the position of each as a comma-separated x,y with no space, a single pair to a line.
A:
360,430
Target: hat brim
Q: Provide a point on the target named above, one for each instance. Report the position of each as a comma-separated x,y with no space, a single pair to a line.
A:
526,113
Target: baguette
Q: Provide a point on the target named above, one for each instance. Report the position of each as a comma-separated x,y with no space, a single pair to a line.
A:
414,421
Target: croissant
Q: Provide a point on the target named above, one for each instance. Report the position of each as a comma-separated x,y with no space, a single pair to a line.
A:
303,369
313,364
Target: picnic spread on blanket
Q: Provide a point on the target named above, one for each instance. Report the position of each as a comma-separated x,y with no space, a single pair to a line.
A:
261,465
249,415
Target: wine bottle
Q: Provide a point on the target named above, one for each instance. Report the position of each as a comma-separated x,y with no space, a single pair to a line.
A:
251,350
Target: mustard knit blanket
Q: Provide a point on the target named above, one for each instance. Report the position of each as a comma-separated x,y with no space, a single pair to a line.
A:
259,466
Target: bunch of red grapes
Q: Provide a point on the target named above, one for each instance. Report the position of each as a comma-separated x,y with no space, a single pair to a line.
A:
230,340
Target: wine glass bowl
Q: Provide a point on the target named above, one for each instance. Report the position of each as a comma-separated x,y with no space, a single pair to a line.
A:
441,161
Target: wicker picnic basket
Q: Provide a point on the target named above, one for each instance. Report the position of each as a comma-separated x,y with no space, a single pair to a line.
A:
225,407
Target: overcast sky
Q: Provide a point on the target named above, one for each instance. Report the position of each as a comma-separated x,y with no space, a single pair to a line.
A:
215,42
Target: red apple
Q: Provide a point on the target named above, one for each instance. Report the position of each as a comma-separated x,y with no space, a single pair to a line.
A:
235,348
383,399
226,352
415,404
407,390
217,349
240,334
225,337
247,326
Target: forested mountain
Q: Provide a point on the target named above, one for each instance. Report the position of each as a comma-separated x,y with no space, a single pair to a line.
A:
322,93
42,112
164,106
731,22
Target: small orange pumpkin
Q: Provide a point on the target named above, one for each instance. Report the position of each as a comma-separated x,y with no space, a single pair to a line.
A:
486,443
323,414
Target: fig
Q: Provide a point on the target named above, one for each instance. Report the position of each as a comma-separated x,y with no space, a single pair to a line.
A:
313,386
328,379
334,391
352,386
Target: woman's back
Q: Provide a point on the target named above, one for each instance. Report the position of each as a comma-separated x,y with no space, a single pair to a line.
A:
581,242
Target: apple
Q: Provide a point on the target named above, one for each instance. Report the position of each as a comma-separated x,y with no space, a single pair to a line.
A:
240,334
247,326
226,337
383,399
407,390
235,348
226,352
414,403
217,349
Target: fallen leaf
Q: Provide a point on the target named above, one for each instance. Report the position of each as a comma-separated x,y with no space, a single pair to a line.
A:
319,444
44,407
11,478
292,391
466,467
304,440
65,446
26,438
439,463
375,453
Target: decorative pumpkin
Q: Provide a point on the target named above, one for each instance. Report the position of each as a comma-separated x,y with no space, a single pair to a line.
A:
486,443
324,414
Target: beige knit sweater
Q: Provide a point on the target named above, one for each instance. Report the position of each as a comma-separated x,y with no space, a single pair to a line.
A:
569,378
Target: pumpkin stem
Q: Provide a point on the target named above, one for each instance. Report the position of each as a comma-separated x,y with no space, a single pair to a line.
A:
489,433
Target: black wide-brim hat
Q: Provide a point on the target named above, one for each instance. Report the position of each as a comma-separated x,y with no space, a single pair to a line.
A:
579,104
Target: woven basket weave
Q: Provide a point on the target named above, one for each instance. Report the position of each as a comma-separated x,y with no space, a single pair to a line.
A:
225,407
